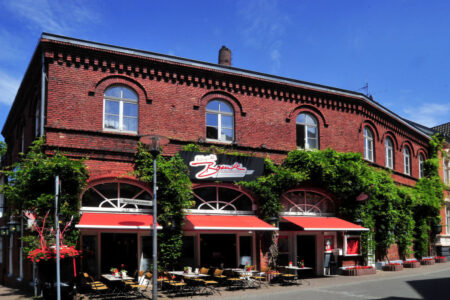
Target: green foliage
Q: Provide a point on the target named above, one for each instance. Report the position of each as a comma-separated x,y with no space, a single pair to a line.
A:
2,148
174,195
31,187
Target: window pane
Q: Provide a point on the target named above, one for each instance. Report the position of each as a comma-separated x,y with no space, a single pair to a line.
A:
312,144
227,121
109,190
211,133
130,124
112,122
227,135
213,105
113,91
130,109
300,136
310,120
225,107
129,94
112,107
311,132
212,120
301,118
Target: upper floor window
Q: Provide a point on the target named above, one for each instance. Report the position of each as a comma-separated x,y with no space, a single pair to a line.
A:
389,153
120,109
307,133
219,121
447,171
421,161
406,161
368,144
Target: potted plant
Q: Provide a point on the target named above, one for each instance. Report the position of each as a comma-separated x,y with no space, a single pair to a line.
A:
114,271
441,259
392,267
301,263
123,272
359,270
411,263
427,261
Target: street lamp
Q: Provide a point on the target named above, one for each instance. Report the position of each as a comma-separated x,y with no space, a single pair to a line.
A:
14,227
153,146
4,231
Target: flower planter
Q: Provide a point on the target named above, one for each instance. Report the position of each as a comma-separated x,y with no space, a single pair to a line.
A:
427,262
412,264
441,259
393,268
359,272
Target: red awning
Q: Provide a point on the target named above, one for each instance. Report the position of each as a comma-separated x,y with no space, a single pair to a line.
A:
115,221
323,224
214,222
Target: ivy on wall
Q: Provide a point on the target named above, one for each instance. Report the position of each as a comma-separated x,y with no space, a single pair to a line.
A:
173,197
31,187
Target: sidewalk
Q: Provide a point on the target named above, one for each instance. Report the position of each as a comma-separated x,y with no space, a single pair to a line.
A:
311,283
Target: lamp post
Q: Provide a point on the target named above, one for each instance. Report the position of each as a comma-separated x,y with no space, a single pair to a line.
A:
13,228
154,148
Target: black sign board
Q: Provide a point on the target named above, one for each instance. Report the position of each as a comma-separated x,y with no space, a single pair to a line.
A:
219,167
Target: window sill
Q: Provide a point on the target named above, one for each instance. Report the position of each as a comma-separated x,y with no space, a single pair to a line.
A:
219,142
120,132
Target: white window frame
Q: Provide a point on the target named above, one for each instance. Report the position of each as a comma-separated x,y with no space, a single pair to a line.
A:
368,144
421,162
389,153
446,166
121,101
37,119
220,114
306,126
406,161
447,217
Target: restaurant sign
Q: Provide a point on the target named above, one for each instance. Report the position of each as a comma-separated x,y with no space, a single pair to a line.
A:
208,166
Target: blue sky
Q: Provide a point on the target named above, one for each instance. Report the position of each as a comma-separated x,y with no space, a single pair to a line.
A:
400,48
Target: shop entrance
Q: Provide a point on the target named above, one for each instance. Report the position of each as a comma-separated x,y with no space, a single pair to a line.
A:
217,250
306,250
117,249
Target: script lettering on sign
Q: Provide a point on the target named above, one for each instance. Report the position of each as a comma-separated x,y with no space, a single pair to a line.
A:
213,170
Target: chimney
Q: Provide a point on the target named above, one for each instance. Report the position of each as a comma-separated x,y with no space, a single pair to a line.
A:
224,56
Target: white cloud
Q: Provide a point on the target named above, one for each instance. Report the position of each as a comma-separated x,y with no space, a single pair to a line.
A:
61,17
264,26
8,86
428,114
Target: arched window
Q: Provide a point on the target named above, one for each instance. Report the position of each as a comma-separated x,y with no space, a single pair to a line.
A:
219,121
120,109
305,202
406,161
421,161
307,132
389,148
107,197
368,144
221,199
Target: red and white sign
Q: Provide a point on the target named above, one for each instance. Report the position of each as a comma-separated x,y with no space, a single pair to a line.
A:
213,170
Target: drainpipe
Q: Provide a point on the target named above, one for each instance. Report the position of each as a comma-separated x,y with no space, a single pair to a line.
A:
43,76
11,241
21,249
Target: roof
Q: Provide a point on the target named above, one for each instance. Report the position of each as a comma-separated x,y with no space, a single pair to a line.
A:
444,129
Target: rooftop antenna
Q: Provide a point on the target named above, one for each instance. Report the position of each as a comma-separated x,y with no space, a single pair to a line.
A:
365,88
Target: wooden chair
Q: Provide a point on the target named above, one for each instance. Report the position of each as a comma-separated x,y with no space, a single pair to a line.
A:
97,288
218,275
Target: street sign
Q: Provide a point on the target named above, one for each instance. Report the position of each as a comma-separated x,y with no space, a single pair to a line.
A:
136,202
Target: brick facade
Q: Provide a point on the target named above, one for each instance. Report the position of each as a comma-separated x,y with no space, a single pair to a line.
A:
173,94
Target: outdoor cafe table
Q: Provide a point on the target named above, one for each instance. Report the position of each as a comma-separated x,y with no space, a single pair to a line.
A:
296,269
116,283
188,275
247,275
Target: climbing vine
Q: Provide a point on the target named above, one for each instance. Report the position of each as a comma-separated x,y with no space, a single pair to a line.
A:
31,188
173,197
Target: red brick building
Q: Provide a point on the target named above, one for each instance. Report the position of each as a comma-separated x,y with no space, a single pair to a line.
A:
97,100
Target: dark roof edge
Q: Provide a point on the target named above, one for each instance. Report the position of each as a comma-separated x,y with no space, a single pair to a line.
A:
36,50
233,70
